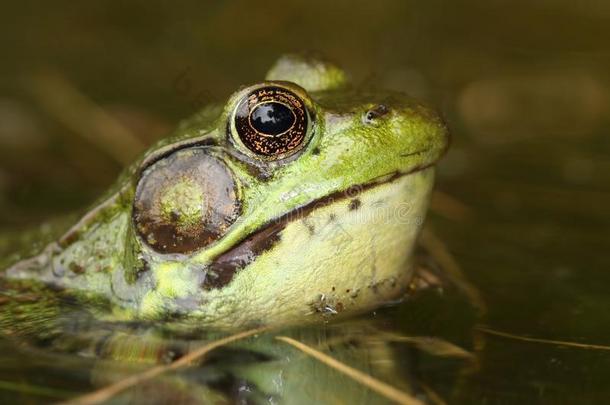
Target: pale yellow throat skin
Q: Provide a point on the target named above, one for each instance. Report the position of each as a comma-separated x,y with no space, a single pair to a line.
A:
303,277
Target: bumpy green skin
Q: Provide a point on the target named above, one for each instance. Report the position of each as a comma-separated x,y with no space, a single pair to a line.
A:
350,254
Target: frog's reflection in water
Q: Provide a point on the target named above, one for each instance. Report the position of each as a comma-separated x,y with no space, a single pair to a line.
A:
412,349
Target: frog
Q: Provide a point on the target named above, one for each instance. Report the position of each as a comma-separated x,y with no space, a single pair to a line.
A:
298,199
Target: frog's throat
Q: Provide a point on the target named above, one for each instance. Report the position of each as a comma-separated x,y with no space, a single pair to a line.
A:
223,268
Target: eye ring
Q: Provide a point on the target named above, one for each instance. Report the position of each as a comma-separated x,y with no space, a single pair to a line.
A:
271,122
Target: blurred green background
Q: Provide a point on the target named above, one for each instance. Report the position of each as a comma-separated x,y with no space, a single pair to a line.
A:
523,85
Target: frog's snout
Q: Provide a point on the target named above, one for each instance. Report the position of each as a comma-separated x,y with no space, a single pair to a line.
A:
413,130
433,130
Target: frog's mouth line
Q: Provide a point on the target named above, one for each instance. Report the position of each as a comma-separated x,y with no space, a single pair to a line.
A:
222,270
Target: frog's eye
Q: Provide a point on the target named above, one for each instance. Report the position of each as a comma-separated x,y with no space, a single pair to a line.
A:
184,202
271,122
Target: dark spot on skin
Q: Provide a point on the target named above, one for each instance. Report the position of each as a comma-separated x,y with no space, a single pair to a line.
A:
71,236
354,204
76,268
353,191
310,228
333,288
347,291
315,151
332,218
326,305
376,285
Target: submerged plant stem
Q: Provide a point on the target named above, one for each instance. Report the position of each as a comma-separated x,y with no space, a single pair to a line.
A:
449,264
544,341
449,207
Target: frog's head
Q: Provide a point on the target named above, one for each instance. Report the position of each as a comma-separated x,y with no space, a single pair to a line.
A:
300,197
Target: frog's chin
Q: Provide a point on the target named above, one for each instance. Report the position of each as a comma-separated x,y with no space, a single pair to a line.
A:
341,254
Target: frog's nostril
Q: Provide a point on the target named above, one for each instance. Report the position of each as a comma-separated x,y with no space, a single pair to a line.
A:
375,113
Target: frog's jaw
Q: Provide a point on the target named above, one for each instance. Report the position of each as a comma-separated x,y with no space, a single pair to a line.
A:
345,256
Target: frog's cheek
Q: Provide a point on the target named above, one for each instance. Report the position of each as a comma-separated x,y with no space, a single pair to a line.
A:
344,257
184,202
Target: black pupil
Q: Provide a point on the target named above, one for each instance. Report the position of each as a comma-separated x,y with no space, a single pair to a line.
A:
272,118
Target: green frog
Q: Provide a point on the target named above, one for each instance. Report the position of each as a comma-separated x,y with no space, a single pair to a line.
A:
300,198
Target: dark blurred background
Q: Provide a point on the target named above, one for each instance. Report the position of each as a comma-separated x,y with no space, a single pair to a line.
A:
523,194
503,72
